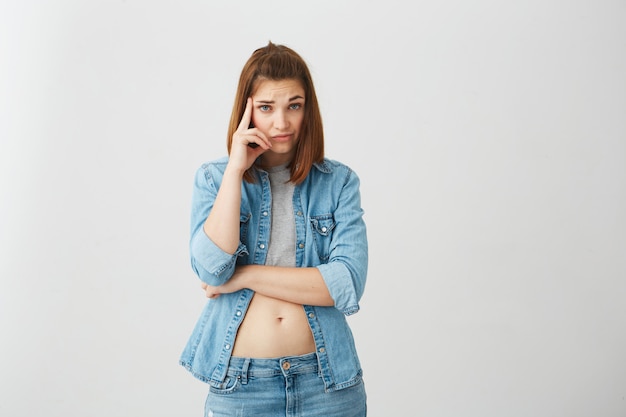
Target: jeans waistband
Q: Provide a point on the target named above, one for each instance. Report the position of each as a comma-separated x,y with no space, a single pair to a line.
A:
261,367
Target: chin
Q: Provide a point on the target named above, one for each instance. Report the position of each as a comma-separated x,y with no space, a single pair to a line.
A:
283,148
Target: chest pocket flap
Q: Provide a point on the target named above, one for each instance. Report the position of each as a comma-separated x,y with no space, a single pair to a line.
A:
322,227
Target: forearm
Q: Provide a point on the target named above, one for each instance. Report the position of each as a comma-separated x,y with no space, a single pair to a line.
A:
222,224
296,285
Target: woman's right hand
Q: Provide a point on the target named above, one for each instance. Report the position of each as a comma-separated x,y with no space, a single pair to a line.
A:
243,151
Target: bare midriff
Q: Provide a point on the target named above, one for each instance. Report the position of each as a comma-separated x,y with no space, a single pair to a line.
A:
273,328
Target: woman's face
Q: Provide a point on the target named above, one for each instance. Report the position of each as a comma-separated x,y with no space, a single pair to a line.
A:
278,112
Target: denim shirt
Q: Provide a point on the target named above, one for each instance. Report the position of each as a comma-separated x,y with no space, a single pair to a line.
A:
330,235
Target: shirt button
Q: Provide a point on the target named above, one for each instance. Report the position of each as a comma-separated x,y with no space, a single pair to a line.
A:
286,366
265,213
322,350
299,213
262,246
301,245
311,315
227,346
238,313
324,229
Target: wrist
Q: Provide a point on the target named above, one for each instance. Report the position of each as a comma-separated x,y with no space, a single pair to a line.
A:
236,172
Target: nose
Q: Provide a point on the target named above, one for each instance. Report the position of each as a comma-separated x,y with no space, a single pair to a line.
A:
281,121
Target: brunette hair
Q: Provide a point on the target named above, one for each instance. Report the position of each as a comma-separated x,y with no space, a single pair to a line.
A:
279,62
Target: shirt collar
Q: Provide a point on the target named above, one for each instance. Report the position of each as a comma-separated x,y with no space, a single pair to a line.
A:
323,166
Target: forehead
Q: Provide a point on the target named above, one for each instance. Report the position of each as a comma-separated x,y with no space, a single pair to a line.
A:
273,89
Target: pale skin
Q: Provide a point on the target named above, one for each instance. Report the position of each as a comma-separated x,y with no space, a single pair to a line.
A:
275,324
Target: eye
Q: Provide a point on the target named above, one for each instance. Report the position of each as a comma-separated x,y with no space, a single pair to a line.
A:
295,106
264,107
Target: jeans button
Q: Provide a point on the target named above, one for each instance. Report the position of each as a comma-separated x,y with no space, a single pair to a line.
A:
286,366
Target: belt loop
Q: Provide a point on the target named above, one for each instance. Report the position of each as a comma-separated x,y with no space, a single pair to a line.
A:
244,371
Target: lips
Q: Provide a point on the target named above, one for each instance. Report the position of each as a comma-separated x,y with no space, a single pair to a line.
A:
282,138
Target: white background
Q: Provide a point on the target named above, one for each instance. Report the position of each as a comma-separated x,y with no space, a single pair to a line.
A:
490,138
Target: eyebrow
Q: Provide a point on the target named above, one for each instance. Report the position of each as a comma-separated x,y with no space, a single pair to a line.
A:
272,101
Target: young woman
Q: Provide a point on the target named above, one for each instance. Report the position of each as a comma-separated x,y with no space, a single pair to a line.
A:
279,243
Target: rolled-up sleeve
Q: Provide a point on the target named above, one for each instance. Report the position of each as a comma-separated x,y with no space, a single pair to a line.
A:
345,272
212,265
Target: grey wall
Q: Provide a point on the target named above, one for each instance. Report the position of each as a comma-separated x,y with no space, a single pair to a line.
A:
490,138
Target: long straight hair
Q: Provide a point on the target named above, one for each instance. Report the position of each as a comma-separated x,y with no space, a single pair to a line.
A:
278,62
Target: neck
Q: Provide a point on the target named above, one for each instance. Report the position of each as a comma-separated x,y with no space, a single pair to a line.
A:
267,161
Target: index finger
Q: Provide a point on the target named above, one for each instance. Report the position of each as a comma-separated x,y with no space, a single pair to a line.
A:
245,119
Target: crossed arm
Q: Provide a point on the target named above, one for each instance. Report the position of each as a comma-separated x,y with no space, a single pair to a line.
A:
293,284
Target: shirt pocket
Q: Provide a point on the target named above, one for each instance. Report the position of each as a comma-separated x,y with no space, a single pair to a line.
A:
322,227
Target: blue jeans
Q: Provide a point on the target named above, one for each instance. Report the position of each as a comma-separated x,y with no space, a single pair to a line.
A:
281,387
